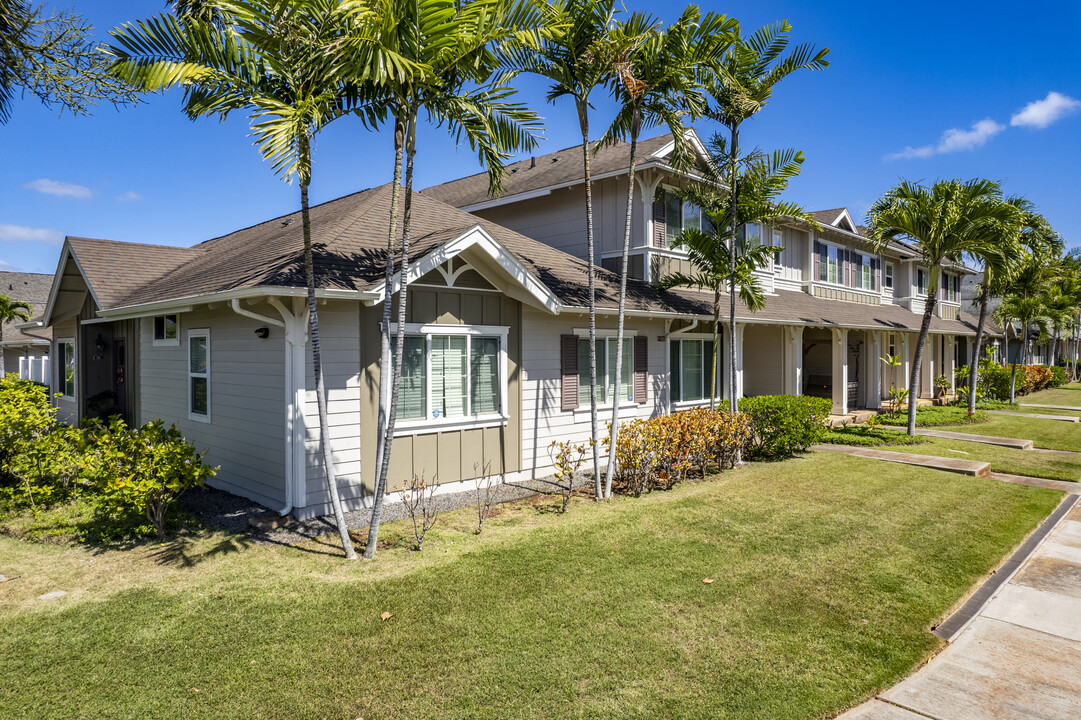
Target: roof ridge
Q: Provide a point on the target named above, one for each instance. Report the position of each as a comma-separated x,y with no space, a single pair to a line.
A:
80,238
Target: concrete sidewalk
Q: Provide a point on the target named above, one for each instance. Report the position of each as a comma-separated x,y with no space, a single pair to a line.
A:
1018,657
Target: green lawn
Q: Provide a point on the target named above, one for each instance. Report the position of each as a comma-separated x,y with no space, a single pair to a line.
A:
1069,395
828,573
1051,434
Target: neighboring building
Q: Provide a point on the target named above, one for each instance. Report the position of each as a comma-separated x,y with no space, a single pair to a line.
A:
214,337
25,345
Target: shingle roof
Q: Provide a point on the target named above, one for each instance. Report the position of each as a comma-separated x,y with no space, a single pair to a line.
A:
555,168
349,238
28,287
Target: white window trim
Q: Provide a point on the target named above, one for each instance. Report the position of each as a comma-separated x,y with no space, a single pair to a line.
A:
175,342
684,404
61,366
192,415
417,426
840,269
867,260
892,276
607,334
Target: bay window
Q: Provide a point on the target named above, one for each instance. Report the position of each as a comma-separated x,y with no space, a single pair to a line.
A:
452,373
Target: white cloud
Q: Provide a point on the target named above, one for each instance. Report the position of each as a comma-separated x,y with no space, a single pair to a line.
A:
60,189
1039,114
22,233
953,140
6,266
129,196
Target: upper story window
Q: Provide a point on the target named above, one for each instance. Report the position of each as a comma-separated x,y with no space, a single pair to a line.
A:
450,375
829,264
921,281
951,288
866,278
887,276
679,216
166,330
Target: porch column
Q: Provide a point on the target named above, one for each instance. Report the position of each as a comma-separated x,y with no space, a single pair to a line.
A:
927,369
949,351
738,344
873,382
793,370
840,371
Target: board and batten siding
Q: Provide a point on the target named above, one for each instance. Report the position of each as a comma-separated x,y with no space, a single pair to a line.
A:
245,435
543,420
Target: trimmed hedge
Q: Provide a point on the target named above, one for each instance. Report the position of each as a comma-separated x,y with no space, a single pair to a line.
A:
783,425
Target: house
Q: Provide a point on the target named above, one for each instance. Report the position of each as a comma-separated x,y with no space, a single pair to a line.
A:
25,346
214,337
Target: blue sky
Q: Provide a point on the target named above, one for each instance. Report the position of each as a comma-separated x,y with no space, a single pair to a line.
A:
932,91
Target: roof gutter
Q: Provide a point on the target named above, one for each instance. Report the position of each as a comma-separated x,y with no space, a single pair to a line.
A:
156,308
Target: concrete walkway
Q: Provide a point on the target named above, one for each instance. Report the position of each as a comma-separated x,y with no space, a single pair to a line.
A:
1017,655
1060,418
1051,407
1014,443
964,467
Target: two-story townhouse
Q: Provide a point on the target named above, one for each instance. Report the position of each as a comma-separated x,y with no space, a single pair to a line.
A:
834,305
25,346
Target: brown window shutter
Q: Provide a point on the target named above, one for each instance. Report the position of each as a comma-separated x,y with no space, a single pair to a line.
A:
568,362
659,227
641,368
817,261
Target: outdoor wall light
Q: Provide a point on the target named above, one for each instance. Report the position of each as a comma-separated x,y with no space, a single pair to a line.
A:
262,333
99,344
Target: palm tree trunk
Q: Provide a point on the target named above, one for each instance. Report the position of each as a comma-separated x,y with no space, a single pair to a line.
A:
317,361
385,353
2,371
715,360
614,432
914,378
399,349
595,432
733,155
974,368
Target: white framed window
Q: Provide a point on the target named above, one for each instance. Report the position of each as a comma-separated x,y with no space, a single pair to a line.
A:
921,281
887,276
680,216
829,263
891,345
166,330
199,374
951,288
66,367
453,375
689,365
606,370
865,275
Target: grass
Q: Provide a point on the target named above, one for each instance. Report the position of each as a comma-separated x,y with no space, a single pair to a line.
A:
828,573
935,416
869,436
1008,460
1050,434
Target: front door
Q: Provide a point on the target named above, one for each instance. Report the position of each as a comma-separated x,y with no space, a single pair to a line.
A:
120,379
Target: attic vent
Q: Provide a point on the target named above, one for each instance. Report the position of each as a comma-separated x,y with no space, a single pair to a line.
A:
513,170
289,221
555,159
532,163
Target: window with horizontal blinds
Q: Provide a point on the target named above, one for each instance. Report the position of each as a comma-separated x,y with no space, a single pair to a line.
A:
606,370
484,375
413,392
626,370
689,364
447,376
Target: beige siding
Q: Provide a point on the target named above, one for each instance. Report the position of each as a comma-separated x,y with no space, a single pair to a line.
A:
67,407
949,312
794,255
246,434
557,219
662,265
763,360
542,419
832,293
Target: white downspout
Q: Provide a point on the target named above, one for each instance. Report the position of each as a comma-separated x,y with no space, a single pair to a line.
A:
296,336
289,390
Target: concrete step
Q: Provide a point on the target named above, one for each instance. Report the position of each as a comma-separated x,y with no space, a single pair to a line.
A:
985,439
1061,418
964,467
1069,487
1051,407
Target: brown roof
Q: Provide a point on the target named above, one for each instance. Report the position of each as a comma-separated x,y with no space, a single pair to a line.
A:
349,238
27,287
556,168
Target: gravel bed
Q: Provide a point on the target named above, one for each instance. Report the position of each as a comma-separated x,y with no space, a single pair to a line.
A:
220,510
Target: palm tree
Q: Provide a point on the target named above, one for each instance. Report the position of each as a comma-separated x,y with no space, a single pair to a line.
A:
947,221
576,61
456,42
657,82
741,84
716,269
11,311
283,63
1023,230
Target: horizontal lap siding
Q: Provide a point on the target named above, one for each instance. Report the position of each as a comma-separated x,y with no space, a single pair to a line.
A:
339,340
246,435
542,419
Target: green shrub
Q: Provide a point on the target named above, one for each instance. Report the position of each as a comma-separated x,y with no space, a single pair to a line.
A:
145,469
783,425
1058,377
995,381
